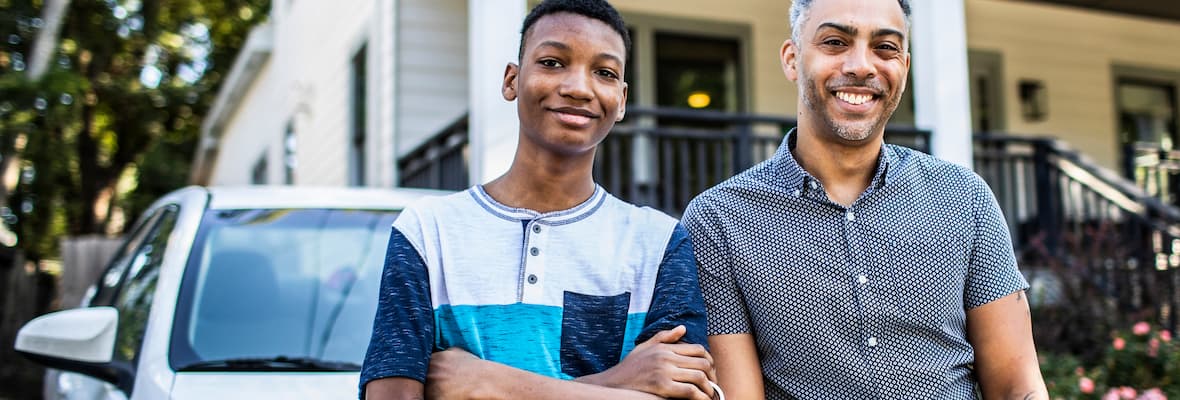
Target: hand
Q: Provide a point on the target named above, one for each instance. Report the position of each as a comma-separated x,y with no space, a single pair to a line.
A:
453,374
663,367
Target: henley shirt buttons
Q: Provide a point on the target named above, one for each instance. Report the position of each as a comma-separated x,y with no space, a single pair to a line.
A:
534,251
536,229
862,279
814,185
872,342
532,279
850,215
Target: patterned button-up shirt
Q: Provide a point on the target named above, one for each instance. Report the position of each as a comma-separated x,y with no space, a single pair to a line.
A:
857,302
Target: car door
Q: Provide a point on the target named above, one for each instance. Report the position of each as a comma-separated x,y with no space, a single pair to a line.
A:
128,285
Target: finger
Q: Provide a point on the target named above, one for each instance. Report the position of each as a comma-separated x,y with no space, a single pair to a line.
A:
665,336
691,350
690,391
671,335
692,363
695,377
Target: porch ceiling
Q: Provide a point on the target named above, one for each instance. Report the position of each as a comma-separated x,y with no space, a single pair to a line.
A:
1165,9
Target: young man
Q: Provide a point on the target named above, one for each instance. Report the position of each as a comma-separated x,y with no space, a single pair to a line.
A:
540,277
845,268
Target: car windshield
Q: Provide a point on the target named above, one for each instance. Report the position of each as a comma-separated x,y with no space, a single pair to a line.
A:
280,285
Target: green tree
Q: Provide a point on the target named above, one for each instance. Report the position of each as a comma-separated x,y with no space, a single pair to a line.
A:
126,85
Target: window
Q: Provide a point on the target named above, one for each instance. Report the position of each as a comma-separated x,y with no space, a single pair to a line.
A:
111,280
265,283
289,161
134,300
356,171
259,172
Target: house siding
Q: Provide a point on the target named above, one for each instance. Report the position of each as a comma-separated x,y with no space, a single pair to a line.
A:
432,82
1072,51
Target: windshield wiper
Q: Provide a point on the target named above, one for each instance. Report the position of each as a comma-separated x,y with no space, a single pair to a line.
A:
280,363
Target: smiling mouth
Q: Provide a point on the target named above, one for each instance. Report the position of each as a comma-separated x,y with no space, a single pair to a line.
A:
855,99
575,117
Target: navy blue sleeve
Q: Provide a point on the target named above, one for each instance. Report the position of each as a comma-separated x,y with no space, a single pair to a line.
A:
403,328
677,297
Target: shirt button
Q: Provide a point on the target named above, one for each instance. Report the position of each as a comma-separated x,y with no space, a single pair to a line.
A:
534,251
798,192
862,279
536,229
814,185
872,342
850,215
532,279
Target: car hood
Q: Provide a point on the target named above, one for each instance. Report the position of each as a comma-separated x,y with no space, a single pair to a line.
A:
265,385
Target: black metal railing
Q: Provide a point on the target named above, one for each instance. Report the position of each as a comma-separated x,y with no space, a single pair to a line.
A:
1154,169
663,157
1089,239
438,163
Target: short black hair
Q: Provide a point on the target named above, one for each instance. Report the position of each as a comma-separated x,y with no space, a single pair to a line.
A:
593,9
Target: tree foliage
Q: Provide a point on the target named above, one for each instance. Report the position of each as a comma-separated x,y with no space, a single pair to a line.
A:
122,101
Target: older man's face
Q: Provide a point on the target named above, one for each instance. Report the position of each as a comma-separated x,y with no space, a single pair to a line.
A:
850,63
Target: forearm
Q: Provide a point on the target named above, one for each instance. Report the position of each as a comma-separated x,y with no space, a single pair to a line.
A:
394,389
504,382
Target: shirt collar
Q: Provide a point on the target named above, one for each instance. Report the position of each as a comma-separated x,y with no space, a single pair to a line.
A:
794,178
560,217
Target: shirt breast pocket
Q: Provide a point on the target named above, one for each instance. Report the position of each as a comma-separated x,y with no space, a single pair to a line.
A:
926,280
592,330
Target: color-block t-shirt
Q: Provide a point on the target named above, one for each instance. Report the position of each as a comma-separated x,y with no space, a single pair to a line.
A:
562,294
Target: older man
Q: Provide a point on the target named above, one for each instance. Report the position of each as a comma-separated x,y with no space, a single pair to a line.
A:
847,268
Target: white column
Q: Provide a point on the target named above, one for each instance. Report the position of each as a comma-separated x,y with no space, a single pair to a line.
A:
942,98
492,42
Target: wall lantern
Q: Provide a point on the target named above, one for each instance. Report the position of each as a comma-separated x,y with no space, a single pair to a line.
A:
1034,101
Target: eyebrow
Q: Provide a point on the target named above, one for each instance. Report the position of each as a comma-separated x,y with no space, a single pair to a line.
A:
852,31
563,47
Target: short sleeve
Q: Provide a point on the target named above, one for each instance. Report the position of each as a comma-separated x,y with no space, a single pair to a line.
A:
403,328
676,299
723,300
991,269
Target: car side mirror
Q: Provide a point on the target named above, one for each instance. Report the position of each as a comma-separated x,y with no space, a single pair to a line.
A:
80,340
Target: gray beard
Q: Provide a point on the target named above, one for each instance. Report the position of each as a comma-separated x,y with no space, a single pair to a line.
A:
852,132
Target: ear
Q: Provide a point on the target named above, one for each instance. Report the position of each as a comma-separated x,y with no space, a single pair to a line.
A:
509,88
789,56
622,104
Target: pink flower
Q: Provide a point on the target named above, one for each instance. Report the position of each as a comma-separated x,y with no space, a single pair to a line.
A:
1165,335
1127,393
1119,343
1086,385
1153,394
1112,394
1141,328
1153,347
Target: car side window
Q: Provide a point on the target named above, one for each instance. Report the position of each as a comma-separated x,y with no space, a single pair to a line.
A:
134,298
109,283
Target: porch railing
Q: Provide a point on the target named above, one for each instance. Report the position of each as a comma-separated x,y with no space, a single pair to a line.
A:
440,162
664,157
1083,232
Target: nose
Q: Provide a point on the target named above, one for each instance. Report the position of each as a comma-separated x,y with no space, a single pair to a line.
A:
858,63
576,84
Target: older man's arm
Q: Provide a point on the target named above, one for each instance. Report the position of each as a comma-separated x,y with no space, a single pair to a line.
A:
739,373
1005,357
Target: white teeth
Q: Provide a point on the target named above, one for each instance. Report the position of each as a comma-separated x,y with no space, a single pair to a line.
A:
855,99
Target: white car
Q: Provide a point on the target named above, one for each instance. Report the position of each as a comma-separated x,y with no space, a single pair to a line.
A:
228,293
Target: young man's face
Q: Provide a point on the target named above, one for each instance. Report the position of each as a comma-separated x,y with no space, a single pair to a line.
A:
569,85
850,64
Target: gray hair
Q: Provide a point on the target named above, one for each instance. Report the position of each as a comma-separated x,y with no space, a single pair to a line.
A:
800,8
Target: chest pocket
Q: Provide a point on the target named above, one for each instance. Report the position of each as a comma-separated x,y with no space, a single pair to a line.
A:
592,329
926,280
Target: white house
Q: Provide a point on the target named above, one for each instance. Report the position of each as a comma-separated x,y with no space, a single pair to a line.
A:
335,93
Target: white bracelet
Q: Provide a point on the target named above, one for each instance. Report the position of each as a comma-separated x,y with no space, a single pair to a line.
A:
718,394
